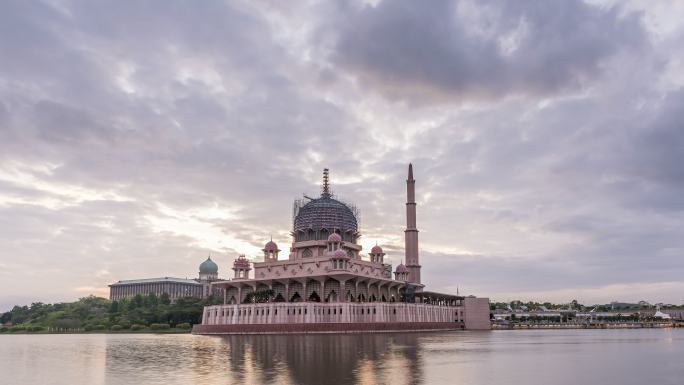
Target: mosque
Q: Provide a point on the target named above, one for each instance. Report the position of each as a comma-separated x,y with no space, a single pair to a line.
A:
325,284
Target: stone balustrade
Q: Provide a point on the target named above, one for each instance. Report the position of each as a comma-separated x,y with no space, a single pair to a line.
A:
337,312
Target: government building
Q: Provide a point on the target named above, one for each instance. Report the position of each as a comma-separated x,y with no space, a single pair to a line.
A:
174,287
327,284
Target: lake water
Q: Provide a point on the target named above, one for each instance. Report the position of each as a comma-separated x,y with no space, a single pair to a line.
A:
557,357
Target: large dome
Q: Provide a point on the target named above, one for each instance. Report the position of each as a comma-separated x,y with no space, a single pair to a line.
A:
325,213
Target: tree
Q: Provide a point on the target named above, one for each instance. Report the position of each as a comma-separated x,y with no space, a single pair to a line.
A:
130,306
138,299
114,307
164,299
259,296
152,300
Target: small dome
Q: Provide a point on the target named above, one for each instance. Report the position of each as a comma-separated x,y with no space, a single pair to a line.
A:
271,246
208,267
376,249
401,269
339,253
334,237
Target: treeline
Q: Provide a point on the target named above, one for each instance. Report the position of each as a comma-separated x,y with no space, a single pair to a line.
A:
573,305
530,305
94,313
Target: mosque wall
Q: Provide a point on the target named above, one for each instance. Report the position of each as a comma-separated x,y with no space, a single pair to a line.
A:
477,313
313,267
310,312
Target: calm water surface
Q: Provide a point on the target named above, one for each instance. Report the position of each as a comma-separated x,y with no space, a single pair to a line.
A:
545,357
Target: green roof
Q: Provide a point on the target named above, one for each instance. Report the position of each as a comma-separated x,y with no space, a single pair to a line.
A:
208,267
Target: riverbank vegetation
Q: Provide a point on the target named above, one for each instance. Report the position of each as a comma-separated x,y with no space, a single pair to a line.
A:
517,305
93,314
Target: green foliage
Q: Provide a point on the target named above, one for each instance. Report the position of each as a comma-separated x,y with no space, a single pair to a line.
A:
259,296
115,328
184,325
5,317
159,326
151,300
575,305
93,313
138,300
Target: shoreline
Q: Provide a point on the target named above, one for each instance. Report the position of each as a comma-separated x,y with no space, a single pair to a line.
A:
493,328
639,325
183,331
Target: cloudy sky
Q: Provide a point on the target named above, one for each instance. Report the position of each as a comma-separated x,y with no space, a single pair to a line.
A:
547,138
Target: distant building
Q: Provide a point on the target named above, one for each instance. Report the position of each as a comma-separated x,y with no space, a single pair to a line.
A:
174,287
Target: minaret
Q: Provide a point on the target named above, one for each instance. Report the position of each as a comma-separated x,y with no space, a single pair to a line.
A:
411,232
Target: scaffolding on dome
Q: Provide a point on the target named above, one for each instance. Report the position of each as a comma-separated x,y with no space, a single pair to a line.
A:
327,214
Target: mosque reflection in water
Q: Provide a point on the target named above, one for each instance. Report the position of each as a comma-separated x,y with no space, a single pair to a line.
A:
381,358
266,359
320,359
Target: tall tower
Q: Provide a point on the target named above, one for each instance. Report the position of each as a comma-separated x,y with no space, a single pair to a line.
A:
411,232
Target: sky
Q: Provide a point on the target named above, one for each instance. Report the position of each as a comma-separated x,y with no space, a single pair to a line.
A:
137,138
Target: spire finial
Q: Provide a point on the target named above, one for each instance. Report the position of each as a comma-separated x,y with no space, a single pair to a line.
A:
326,183
410,174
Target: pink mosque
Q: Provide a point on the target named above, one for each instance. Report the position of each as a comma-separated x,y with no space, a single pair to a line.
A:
325,285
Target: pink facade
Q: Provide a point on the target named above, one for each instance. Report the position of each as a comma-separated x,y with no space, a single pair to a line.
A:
326,280
340,312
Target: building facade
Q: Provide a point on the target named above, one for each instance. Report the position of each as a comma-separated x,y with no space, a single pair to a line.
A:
174,287
326,284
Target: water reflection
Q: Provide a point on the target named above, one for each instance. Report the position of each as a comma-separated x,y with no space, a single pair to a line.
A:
297,359
561,357
319,359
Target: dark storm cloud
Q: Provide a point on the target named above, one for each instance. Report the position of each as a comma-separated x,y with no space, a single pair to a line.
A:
659,146
460,49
